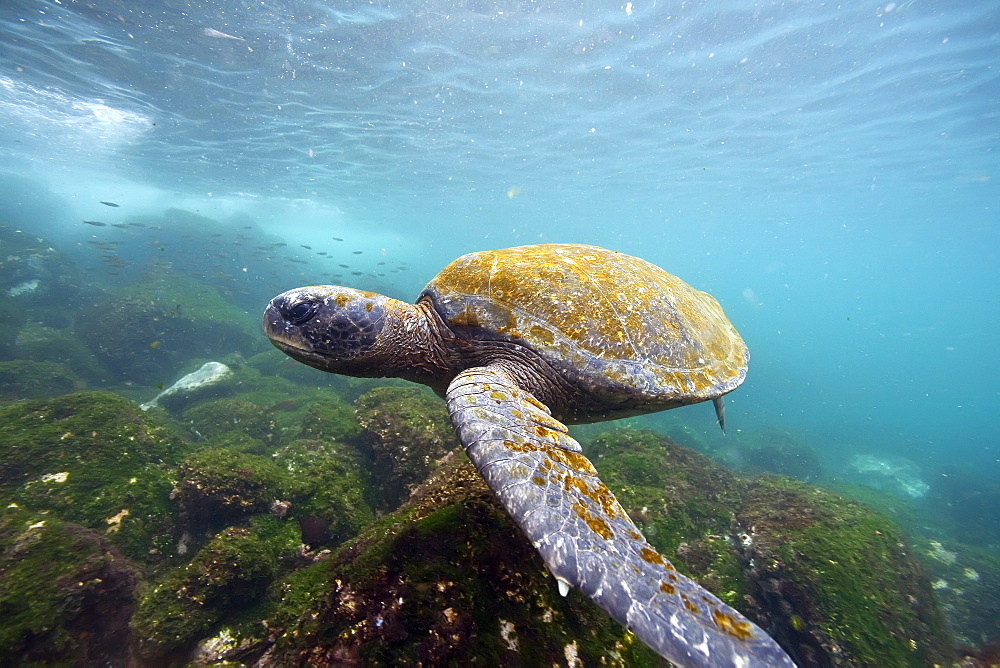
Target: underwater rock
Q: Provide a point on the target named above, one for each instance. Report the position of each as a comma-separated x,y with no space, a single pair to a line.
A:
777,451
95,459
45,344
889,474
971,502
329,482
408,430
966,579
225,577
13,317
218,486
193,386
145,334
35,274
214,419
837,580
66,594
447,579
25,379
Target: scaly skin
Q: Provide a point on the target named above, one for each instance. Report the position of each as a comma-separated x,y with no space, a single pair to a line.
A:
515,336
584,535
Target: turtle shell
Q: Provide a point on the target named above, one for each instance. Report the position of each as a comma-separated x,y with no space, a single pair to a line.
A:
609,323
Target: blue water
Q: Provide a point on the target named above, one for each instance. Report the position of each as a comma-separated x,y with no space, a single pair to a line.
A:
829,171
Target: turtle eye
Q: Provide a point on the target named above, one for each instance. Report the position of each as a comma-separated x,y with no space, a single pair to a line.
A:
300,312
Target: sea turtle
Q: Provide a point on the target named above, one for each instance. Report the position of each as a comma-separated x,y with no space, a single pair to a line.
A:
520,341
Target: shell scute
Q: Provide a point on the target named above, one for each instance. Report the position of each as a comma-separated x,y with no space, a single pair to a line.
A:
616,320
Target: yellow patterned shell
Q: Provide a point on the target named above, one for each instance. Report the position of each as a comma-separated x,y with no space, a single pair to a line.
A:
614,324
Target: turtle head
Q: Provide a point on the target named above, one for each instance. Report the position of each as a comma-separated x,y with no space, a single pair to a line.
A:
332,328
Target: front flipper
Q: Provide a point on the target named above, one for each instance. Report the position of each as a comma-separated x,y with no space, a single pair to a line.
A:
584,535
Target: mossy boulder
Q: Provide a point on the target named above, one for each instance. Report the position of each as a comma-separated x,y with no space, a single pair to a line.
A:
13,317
26,379
839,580
66,594
95,459
152,330
408,431
217,486
330,419
329,481
225,578
682,501
447,579
833,581
780,451
219,417
45,344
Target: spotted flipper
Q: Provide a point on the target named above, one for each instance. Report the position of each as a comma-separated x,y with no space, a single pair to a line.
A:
584,535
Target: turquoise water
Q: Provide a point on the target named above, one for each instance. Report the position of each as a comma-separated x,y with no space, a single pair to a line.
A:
828,171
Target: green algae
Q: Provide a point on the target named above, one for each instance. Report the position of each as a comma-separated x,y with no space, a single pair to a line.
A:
65,593
218,486
407,430
149,331
328,481
26,379
95,459
330,419
212,419
845,577
228,574
427,585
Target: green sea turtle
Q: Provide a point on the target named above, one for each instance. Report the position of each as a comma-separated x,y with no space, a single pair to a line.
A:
520,341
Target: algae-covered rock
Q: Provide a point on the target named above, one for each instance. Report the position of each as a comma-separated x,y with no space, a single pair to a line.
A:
39,276
217,486
46,344
95,459
330,419
66,594
780,451
26,379
220,416
839,580
149,332
408,430
227,575
328,482
447,579
966,579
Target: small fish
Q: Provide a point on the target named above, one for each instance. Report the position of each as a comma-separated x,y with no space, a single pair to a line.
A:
109,204
120,226
159,386
306,247
96,223
337,239
154,344
280,406
358,252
